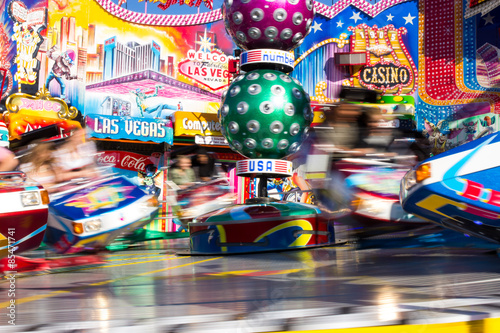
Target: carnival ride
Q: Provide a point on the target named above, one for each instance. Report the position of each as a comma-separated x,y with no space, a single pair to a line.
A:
93,212
23,213
458,189
265,115
377,212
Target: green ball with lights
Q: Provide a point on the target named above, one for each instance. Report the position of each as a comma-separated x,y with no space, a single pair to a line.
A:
265,114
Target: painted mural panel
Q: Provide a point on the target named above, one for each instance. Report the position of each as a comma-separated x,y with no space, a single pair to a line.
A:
107,60
127,69
459,64
382,35
22,39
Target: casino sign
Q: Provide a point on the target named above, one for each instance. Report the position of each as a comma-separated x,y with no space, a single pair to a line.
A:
386,76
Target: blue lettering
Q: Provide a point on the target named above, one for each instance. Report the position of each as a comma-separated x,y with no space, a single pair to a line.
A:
269,166
251,165
260,166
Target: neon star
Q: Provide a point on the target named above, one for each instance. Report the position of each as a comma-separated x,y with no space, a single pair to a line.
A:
389,17
409,19
340,24
316,26
355,17
205,43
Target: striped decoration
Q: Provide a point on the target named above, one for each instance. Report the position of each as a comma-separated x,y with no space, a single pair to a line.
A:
320,68
216,15
159,20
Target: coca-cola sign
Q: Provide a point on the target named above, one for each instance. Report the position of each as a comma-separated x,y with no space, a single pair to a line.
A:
125,160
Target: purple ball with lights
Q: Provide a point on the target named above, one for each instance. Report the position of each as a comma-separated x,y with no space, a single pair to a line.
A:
268,24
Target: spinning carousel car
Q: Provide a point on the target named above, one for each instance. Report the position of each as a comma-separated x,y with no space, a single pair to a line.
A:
23,213
458,189
378,212
202,198
91,214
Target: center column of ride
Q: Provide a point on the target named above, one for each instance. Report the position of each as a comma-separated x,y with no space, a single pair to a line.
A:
265,115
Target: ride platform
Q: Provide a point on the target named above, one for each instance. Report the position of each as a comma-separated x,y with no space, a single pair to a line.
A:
261,225
152,289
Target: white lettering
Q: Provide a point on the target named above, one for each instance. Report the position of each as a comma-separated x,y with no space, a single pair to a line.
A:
128,127
96,126
133,163
144,129
136,130
153,130
106,125
161,131
114,127
106,159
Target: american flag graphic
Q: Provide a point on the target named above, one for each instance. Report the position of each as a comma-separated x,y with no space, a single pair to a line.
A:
281,166
242,166
252,56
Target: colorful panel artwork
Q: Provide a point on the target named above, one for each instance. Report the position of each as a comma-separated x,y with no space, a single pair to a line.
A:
385,31
458,63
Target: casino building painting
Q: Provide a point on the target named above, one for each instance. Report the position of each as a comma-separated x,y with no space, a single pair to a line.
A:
436,62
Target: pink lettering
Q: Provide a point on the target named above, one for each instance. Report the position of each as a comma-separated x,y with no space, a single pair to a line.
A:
40,105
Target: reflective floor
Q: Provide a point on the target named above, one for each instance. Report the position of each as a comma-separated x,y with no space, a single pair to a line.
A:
152,289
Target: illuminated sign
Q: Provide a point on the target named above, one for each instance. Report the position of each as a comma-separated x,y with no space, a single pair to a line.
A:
209,69
27,28
267,56
263,166
385,76
27,113
119,128
389,66
196,123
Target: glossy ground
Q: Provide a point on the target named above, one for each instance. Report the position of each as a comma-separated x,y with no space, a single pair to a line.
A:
149,288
